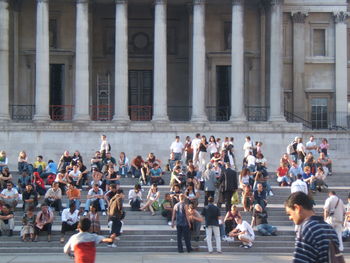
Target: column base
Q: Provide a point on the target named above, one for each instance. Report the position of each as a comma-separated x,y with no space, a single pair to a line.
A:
5,118
277,119
238,119
199,119
41,118
123,120
162,118
81,118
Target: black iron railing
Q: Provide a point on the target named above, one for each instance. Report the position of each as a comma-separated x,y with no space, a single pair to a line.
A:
22,112
218,113
179,113
257,113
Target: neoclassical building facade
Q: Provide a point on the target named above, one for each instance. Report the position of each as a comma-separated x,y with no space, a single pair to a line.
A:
173,66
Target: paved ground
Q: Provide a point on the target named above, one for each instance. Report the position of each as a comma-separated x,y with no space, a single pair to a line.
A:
154,258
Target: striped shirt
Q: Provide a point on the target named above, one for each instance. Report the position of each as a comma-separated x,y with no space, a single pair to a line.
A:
312,241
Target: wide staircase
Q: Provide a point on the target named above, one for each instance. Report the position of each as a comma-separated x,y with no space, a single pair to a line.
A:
143,232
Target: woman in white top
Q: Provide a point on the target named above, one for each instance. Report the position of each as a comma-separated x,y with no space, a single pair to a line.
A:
301,152
212,146
152,200
244,178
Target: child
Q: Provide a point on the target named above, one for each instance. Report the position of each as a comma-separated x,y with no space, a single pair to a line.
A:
95,220
28,222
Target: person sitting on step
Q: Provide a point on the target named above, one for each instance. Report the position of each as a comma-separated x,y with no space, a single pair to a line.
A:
70,219
43,222
53,197
244,232
259,220
7,222
28,223
95,196
152,203
135,198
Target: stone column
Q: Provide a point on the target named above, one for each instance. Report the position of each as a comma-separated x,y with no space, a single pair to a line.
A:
237,62
82,62
276,61
341,76
198,64
4,60
298,63
160,62
42,66
121,62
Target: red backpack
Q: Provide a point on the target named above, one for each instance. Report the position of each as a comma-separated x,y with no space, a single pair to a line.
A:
50,179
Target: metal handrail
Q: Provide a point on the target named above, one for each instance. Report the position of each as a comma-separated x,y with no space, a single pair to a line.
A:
291,117
257,113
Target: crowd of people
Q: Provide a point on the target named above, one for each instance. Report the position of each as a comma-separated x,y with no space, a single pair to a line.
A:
197,167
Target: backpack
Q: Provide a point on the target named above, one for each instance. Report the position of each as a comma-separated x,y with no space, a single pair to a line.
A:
290,148
50,179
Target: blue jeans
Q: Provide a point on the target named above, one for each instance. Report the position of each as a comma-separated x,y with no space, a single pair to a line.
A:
266,229
123,170
135,172
76,201
346,234
100,201
178,156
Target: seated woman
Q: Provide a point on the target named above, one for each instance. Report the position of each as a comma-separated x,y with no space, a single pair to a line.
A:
195,219
286,160
5,176
39,184
152,203
136,166
3,160
282,175
23,165
247,198
28,223
156,175
151,159
230,222
261,163
145,174
94,217
244,178
177,177
320,178
43,222
123,163
192,195
61,178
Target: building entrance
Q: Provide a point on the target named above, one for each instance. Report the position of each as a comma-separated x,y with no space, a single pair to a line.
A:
140,95
57,91
223,93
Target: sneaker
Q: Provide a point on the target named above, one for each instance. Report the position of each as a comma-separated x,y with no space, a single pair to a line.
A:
242,246
112,245
224,238
169,223
271,194
230,239
248,246
85,213
104,213
109,225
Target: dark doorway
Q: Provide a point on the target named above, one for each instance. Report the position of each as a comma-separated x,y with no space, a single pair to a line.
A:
57,91
223,95
140,95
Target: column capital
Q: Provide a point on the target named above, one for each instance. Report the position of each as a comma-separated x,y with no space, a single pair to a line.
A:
276,2
237,2
160,2
199,2
42,1
341,16
299,17
82,1
121,1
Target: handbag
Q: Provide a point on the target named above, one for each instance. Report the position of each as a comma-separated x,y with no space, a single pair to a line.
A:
235,198
335,256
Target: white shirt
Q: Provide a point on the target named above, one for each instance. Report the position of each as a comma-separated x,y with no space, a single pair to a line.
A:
71,219
12,192
246,227
176,147
104,146
92,193
247,147
75,175
251,160
311,144
133,195
212,147
195,144
299,186
331,203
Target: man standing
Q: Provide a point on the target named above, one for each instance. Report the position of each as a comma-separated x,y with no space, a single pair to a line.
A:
228,185
84,244
104,148
311,146
180,213
212,217
313,233
195,147
177,148
334,211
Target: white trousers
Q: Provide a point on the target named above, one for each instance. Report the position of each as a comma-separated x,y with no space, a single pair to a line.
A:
209,231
